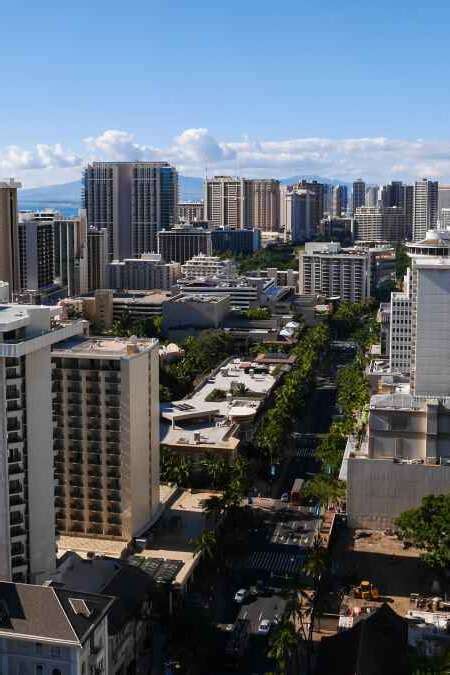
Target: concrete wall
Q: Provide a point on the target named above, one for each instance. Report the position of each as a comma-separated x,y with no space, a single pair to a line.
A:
178,314
41,482
379,490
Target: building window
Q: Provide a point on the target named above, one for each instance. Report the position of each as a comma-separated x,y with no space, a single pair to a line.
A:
56,671
56,651
39,669
38,648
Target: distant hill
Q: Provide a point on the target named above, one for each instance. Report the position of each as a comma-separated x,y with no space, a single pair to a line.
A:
191,189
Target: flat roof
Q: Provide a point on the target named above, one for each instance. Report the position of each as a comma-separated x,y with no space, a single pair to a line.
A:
92,347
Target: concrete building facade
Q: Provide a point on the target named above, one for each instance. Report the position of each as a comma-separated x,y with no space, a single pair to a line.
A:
182,243
144,273
237,203
27,512
106,437
133,201
190,212
70,254
9,234
208,266
325,269
425,216
380,224
98,256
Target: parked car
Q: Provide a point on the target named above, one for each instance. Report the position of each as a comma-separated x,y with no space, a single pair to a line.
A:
241,595
284,497
264,627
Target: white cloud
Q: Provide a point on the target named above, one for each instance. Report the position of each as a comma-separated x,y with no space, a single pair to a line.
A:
376,159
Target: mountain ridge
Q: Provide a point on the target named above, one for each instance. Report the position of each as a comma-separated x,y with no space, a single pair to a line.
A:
191,189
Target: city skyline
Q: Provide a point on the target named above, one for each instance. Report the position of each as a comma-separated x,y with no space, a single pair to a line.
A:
168,83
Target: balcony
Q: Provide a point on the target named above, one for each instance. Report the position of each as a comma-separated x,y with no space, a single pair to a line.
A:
114,508
94,471
113,472
94,402
113,449
113,426
12,406
12,393
73,377
60,525
114,520
76,492
75,435
94,436
18,561
96,517
94,448
14,437
75,458
16,518
112,414
77,516
77,504
113,402
94,459
15,469
95,529
95,482
113,460
74,400
113,437
17,531
95,506
15,487
93,389
16,500
113,497
93,425
60,514
76,471
60,502
113,531
95,494
112,390
74,389
60,491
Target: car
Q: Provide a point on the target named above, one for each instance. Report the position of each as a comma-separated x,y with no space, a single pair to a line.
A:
284,497
264,627
276,620
241,595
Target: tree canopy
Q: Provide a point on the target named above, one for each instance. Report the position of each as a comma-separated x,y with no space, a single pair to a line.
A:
428,528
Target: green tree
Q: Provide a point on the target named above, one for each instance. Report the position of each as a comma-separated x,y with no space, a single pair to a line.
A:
217,469
205,544
316,562
402,262
428,528
283,646
214,508
325,489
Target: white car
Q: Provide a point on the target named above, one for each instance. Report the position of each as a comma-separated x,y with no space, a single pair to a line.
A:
241,595
264,627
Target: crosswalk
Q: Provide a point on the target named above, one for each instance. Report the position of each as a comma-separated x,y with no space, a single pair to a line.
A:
305,453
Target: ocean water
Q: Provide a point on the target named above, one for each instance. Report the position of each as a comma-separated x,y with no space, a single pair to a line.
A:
67,209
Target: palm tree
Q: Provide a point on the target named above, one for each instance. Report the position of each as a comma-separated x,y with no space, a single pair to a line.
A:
214,508
205,544
181,471
316,561
239,389
217,469
283,646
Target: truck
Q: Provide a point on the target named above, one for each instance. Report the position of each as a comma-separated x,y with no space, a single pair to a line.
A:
296,490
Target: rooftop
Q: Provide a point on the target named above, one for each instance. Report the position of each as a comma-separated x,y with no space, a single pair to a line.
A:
48,614
111,348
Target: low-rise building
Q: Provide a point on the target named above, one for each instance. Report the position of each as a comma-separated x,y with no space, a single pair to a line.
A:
245,241
144,273
221,412
208,266
244,292
53,631
130,613
195,311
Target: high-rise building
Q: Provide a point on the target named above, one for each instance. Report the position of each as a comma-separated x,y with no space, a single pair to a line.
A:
325,269
36,251
71,254
27,551
358,194
183,242
240,202
9,234
106,436
425,214
372,195
318,190
261,206
378,224
444,218
443,198
190,212
339,202
133,201
98,256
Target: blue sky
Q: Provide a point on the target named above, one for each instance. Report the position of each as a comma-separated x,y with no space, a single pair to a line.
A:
262,88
